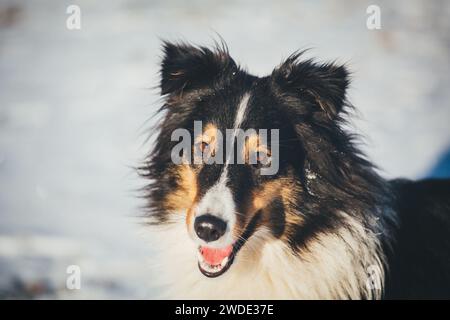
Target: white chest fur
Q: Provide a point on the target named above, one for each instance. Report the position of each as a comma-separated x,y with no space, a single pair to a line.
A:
335,266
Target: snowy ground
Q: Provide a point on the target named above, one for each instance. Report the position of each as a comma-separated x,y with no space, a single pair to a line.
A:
74,105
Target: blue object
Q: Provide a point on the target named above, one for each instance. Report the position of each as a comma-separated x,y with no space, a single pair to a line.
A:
442,168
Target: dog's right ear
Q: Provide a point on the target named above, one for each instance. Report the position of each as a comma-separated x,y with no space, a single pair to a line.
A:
186,67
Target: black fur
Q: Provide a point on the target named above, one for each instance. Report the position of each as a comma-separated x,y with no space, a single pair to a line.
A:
420,259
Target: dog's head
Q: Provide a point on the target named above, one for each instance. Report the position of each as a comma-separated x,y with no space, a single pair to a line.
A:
236,152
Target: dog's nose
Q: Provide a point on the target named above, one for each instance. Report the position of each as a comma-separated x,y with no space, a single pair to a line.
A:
209,227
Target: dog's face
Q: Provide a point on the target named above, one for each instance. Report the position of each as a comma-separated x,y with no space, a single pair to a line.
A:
244,164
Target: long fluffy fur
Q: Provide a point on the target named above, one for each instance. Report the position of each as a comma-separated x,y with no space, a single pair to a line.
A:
338,221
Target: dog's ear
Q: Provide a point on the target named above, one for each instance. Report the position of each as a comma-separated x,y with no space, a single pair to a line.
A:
185,67
324,85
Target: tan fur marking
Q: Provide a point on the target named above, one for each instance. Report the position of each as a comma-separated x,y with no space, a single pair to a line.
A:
269,191
253,145
209,136
183,197
282,188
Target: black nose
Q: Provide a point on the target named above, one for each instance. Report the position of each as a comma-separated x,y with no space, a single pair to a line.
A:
209,227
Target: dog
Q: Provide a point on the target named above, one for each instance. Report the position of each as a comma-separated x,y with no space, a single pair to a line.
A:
323,225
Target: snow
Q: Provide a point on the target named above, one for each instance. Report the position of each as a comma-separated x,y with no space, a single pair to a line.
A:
75,108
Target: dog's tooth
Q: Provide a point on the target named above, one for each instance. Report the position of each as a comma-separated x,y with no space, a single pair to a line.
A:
224,262
200,256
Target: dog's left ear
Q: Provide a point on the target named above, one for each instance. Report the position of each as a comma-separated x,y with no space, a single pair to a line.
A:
324,85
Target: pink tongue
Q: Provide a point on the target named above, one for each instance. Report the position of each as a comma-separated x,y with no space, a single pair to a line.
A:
215,256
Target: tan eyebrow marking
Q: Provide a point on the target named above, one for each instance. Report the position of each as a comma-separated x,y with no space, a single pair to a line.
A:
252,145
210,133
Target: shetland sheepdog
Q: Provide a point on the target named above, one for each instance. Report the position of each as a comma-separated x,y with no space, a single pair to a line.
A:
322,225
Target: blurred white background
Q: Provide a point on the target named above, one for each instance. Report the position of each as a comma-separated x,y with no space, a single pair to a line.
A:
74,106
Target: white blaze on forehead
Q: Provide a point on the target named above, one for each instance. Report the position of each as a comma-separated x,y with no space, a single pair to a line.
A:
241,111
240,116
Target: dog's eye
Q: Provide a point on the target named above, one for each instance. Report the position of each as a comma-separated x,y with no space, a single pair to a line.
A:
263,160
203,146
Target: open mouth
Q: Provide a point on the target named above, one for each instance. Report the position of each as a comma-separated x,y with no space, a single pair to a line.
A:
213,262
